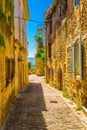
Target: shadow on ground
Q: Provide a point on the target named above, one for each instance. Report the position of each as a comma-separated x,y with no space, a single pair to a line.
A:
26,112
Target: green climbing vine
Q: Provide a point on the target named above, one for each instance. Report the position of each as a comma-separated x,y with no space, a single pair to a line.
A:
2,42
2,15
38,38
10,9
41,55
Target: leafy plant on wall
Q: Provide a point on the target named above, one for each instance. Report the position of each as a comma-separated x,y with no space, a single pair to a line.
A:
38,38
41,55
2,42
29,65
2,15
10,9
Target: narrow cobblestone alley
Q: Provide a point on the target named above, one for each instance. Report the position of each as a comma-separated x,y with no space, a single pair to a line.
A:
38,107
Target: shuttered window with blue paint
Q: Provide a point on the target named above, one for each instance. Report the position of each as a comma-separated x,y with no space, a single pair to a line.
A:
76,2
77,57
73,58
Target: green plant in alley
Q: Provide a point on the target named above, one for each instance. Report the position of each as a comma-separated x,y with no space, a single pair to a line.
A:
2,15
65,94
31,68
2,42
10,8
38,38
41,55
78,106
29,65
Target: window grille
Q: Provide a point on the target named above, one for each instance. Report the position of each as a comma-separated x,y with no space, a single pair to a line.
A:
9,70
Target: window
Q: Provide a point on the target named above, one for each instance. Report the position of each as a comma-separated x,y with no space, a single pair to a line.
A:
76,2
77,57
9,70
73,58
49,50
66,4
59,11
50,27
64,7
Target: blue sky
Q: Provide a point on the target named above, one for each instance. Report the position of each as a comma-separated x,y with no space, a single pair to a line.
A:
37,12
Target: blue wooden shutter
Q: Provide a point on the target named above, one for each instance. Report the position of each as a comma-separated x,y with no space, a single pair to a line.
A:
73,58
80,56
76,2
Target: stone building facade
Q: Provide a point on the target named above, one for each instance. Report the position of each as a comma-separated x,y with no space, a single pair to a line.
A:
13,53
21,15
39,64
66,48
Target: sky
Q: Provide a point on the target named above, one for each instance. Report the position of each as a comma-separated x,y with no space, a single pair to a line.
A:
37,10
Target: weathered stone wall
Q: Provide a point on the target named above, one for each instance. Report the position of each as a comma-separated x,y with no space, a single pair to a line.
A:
84,33
2,82
60,57
61,62
16,52
77,25
6,91
39,67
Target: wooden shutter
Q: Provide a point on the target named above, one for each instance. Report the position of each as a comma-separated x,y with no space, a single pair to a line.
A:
76,2
73,58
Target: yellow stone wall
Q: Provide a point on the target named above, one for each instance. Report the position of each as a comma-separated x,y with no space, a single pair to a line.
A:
40,67
16,49
59,68
21,52
6,91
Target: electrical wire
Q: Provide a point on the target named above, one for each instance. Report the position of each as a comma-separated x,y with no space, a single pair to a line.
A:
28,34
46,21
35,21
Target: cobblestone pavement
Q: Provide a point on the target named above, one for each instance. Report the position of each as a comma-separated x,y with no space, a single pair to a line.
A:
38,107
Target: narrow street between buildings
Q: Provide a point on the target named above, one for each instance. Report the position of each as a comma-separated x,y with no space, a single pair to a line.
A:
40,107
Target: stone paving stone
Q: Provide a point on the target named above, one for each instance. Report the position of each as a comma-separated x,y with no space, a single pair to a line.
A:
38,107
